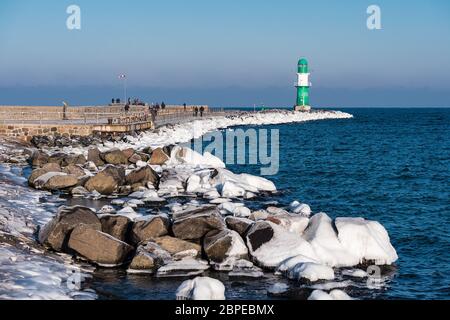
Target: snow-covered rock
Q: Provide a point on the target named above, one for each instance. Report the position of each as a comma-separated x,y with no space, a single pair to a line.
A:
310,271
270,244
324,240
300,208
232,190
187,156
335,294
201,288
193,183
129,213
368,240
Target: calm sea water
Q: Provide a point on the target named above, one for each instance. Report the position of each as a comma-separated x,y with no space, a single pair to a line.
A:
389,165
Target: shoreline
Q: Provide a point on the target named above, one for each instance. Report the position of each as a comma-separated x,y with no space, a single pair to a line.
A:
281,220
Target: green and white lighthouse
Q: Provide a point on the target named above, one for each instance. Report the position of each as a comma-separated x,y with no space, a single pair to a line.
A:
302,86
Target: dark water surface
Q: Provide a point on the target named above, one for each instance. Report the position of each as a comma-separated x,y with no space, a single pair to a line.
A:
389,165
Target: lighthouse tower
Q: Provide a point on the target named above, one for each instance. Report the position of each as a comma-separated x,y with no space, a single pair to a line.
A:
302,86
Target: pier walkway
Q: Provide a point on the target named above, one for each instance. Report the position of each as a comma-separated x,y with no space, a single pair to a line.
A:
27,121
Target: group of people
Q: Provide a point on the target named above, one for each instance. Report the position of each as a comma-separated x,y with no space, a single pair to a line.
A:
197,109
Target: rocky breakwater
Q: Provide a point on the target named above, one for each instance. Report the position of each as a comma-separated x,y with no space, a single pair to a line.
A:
175,212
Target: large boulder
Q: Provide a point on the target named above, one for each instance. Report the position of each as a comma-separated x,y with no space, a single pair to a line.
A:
116,225
46,168
158,157
78,159
365,239
75,170
148,258
270,244
115,157
102,182
59,158
128,152
222,245
55,233
94,156
194,224
142,175
39,158
175,246
106,181
152,227
240,225
98,247
60,181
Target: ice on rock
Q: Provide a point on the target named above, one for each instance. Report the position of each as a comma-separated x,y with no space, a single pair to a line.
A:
184,132
232,190
300,208
182,268
310,271
242,212
368,240
193,183
324,240
278,288
43,179
187,156
234,208
281,246
245,182
107,210
262,184
219,200
333,295
201,288
291,262
129,213
212,194
292,223
356,273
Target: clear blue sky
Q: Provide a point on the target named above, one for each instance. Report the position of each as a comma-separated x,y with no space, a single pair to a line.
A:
237,51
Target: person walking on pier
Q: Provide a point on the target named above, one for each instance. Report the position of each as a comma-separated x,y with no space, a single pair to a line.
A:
184,106
202,109
196,111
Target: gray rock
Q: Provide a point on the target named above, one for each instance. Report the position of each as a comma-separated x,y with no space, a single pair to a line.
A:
46,168
158,157
39,158
59,182
75,170
56,232
149,257
175,246
94,156
115,157
218,244
135,158
260,233
98,247
240,225
116,226
155,226
106,181
142,175
194,224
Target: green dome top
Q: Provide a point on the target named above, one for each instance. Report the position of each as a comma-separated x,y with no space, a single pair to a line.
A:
302,61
